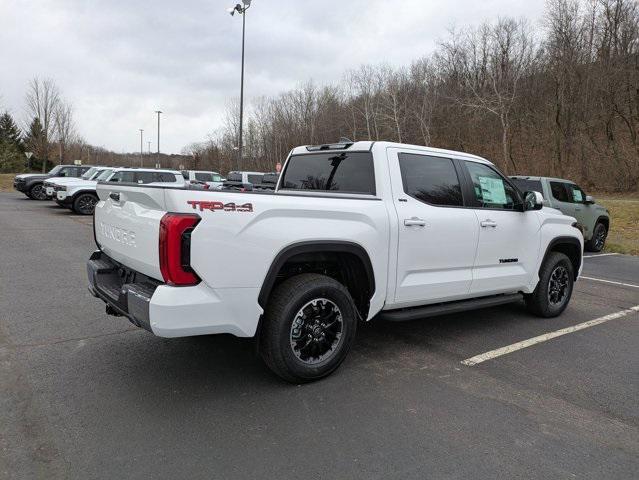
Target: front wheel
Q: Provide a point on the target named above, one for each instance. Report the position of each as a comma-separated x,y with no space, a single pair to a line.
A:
84,204
37,192
553,292
598,240
308,328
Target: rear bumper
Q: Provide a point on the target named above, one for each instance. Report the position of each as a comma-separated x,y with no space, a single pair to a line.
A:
126,293
168,311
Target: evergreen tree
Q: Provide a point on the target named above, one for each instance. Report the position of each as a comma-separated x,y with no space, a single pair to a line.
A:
9,131
35,137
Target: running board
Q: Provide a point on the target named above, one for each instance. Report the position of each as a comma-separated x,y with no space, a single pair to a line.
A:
415,313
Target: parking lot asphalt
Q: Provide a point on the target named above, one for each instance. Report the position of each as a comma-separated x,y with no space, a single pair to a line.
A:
84,395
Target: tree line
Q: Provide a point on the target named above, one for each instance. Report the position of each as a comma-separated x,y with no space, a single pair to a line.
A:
562,100
49,135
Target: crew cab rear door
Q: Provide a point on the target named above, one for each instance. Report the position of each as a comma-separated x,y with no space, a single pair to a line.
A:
127,225
437,237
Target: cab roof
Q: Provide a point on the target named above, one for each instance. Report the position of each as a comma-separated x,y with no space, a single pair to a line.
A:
368,145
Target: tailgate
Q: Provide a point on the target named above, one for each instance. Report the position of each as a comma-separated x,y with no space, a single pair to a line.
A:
127,225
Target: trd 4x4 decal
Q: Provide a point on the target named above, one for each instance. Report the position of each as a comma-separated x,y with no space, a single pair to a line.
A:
213,206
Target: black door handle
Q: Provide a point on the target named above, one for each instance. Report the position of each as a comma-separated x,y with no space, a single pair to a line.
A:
115,196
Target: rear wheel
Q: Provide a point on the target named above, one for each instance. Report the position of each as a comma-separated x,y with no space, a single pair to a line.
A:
84,204
37,192
598,240
553,292
308,328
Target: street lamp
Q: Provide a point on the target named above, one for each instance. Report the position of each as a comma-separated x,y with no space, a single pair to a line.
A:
158,112
141,147
242,11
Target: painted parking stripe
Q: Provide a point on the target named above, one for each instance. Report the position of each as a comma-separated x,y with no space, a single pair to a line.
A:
600,255
609,281
545,337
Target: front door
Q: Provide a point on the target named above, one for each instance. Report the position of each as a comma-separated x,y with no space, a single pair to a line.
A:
509,238
437,237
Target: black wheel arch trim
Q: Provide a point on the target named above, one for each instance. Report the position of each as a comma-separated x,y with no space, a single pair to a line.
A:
605,220
311,247
564,241
81,192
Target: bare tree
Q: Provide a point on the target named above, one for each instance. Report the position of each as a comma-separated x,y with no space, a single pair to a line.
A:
43,101
64,128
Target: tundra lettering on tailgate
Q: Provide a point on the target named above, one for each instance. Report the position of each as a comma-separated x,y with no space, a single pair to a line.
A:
226,207
120,235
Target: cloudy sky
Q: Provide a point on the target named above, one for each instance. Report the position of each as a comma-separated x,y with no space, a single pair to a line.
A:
117,61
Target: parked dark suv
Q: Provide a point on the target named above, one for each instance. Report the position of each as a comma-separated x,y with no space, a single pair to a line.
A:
31,184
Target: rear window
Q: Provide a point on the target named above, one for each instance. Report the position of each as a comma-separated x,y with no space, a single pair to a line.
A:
255,179
234,177
203,177
123,177
525,185
165,177
153,177
342,173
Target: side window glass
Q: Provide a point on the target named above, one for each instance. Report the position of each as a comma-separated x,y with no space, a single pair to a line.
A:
117,177
431,180
145,177
578,195
559,192
491,189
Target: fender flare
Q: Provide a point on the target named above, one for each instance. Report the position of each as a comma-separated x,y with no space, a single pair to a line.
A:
311,247
80,192
564,240
603,219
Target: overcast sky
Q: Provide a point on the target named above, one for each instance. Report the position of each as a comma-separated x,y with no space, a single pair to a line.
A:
117,61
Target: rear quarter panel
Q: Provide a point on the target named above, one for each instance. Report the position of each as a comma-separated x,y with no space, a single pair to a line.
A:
235,249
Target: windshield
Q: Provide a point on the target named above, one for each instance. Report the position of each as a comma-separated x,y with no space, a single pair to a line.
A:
104,175
55,170
89,173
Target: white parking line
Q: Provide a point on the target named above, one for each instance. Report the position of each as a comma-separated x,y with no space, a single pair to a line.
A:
609,281
545,337
600,255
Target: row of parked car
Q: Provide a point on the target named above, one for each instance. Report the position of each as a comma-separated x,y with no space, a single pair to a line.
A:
74,186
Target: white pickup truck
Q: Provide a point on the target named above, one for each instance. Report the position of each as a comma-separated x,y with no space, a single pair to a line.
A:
353,231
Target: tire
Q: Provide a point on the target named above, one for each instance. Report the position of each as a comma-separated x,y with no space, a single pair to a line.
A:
553,292
598,240
37,192
84,204
323,312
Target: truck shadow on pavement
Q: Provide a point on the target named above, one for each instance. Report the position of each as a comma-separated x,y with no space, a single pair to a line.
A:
208,365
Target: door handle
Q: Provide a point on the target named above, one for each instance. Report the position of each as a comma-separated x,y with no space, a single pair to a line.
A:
115,196
414,222
488,223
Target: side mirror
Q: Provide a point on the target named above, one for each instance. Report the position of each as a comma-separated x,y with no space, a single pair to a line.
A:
589,200
533,201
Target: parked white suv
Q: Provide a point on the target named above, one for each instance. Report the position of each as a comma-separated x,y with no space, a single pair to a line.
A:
81,197
353,231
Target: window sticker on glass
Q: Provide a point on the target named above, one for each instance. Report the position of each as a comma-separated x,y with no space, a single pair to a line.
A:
492,190
576,195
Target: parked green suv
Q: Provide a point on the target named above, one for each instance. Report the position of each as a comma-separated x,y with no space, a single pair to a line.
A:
571,200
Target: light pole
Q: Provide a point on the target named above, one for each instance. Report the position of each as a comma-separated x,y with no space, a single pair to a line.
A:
149,142
158,112
242,11
141,147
